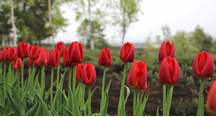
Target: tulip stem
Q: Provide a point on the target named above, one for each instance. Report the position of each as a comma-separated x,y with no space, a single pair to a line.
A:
69,78
22,77
89,98
58,69
74,87
121,107
32,75
134,102
200,110
102,93
1,72
51,94
169,99
42,80
16,76
164,99
4,79
138,99
83,95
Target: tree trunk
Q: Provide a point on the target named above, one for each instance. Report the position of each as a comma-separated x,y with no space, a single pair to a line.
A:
50,21
90,27
13,24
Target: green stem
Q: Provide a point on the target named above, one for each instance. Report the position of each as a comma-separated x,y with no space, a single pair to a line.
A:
74,87
1,72
4,79
83,95
16,76
89,98
102,91
69,78
134,102
22,77
51,95
138,95
169,99
199,110
164,99
42,80
58,69
121,98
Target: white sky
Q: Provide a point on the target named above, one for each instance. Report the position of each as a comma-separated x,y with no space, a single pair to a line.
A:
176,14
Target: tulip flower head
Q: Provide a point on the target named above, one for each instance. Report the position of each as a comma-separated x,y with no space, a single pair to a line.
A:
88,74
30,47
79,69
22,50
169,72
127,53
166,50
137,77
211,98
3,54
75,53
33,52
17,64
105,57
203,65
42,57
11,54
30,63
54,58
60,46
66,59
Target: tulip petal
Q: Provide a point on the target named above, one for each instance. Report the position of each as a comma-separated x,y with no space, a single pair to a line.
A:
176,75
172,54
162,52
211,101
208,69
195,66
132,76
164,72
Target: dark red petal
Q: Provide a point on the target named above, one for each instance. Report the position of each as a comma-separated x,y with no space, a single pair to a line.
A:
208,69
132,76
92,75
196,70
176,74
172,54
211,101
131,55
84,76
164,73
162,52
168,48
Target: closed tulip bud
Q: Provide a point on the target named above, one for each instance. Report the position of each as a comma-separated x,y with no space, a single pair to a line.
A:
75,53
79,69
3,54
127,53
17,64
211,98
169,72
22,50
30,63
166,50
203,65
42,57
54,58
137,77
60,46
11,54
105,58
88,74
66,59
33,52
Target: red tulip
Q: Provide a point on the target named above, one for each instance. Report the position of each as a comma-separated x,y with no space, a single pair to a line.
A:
3,54
22,50
30,63
60,46
88,74
17,64
166,50
137,77
30,48
11,54
211,98
42,57
127,53
75,53
203,65
105,57
33,52
169,71
54,58
66,59
79,69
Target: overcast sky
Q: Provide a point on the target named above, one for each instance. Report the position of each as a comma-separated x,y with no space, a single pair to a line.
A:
176,14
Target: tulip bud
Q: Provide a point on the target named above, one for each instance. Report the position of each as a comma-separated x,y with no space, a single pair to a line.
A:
54,58
203,65
60,46
17,64
11,54
22,50
3,54
42,57
75,53
127,53
137,77
88,74
166,50
79,69
33,52
30,48
169,72
66,59
105,58
30,62
211,98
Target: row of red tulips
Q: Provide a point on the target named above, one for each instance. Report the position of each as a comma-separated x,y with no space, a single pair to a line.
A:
169,72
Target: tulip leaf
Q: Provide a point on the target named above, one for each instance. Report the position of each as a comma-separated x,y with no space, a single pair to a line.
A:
15,106
103,111
157,114
70,99
62,79
36,83
55,100
69,112
2,110
123,107
32,110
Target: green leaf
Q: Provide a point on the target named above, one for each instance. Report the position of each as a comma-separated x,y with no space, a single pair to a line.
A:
103,111
2,110
36,83
157,114
11,113
128,93
69,112
15,106
32,111
70,100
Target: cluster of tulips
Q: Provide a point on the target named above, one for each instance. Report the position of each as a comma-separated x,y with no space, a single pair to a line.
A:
28,97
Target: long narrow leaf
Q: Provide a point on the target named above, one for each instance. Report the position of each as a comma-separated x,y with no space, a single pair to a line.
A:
32,111
69,112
